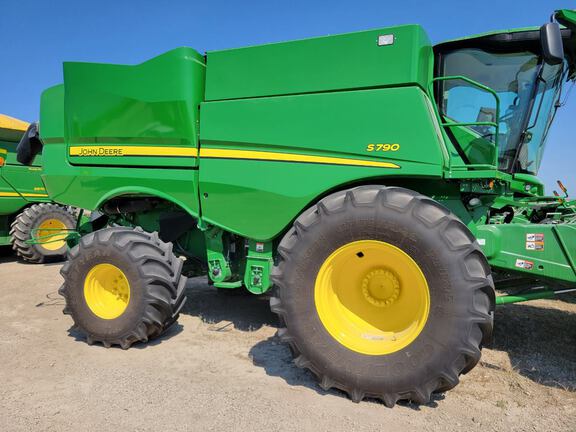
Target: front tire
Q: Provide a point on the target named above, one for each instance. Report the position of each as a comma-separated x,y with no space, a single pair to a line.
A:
47,219
384,294
122,285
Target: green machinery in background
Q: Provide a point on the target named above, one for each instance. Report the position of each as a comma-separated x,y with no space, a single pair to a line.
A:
25,209
379,183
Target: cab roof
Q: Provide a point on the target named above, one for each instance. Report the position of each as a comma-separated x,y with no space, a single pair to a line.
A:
491,33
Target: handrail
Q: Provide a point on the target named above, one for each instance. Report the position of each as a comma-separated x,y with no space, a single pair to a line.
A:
481,86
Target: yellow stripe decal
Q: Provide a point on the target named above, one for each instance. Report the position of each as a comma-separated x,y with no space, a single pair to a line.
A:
290,157
35,195
118,151
28,195
3,151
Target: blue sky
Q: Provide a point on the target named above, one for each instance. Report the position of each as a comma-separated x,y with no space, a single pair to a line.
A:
37,36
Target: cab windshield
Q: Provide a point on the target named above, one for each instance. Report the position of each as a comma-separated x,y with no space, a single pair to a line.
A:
528,90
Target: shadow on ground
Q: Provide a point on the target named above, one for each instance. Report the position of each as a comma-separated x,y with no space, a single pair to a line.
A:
8,255
247,312
225,310
275,358
222,311
540,341
171,332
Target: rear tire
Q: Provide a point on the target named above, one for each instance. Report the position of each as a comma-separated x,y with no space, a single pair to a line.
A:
136,267
374,364
40,216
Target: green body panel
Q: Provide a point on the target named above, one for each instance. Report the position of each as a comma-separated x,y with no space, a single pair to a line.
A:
151,104
89,187
52,115
340,62
152,107
527,184
350,121
510,246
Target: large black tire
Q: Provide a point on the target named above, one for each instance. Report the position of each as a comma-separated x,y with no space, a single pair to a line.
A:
153,272
32,218
458,276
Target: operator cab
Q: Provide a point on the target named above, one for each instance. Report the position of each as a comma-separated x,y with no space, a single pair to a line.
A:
506,119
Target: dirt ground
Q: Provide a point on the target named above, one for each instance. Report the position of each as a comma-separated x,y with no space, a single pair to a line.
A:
221,368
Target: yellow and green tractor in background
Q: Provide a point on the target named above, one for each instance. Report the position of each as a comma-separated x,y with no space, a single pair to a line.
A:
26,212
377,186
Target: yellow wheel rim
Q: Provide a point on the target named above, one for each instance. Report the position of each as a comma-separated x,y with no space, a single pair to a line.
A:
372,297
53,232
107,291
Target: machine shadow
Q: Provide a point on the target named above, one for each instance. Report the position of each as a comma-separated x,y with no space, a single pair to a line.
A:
227,309
7,254
540,342
276,360
171,332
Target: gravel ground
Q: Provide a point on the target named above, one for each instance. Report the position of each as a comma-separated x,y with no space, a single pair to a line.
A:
221,368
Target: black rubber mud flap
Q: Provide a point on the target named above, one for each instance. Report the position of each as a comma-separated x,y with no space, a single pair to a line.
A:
29,146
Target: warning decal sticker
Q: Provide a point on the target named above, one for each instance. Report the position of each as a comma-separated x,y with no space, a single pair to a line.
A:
523,264
535,242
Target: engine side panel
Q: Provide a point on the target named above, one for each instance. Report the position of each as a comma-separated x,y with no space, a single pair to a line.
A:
262,161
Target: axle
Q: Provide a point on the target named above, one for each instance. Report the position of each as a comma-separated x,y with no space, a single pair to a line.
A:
534,295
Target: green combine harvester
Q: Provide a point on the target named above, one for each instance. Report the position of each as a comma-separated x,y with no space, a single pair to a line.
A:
26,212
376,185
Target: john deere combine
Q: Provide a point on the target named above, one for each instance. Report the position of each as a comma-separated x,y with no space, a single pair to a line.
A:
26,212
377,182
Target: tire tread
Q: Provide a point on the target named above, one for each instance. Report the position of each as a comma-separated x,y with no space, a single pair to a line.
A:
163,302
456,237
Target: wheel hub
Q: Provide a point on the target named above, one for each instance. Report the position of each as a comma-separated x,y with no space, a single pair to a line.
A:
372,297
106,291
52,233
381,288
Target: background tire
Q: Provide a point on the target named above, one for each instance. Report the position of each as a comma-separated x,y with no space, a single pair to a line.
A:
39,216
150,270
461,293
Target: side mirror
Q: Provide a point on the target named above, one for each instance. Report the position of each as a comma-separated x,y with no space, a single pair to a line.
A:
551,40
29,145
